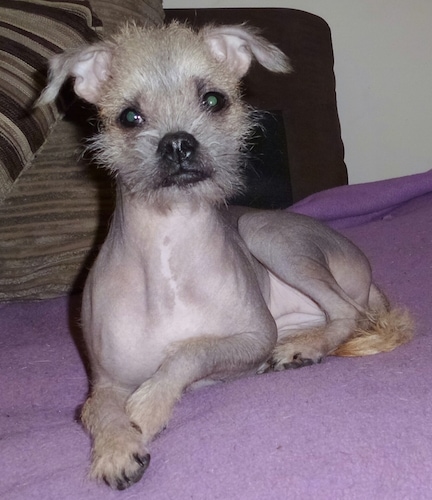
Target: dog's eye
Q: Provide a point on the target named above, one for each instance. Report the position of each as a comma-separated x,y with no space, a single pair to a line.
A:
131,118
214,101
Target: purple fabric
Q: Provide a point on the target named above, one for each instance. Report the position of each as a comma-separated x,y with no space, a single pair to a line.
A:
348,206
346,429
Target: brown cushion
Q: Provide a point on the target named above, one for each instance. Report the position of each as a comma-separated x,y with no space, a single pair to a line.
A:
306,98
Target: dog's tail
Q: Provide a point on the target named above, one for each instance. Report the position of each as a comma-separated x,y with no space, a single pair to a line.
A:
385,329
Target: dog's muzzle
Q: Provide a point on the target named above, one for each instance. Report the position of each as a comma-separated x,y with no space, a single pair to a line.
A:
179,154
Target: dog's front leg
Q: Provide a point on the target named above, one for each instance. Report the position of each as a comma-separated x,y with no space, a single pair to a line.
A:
123,424
119,455
150,406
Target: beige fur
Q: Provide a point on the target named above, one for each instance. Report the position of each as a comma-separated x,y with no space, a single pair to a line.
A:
385,331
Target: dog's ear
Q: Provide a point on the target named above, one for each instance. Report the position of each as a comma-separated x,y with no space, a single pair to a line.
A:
89,66
237,45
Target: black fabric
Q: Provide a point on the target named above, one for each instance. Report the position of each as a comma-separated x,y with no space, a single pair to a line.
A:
266,169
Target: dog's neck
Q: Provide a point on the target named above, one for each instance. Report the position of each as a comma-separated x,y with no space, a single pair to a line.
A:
139,222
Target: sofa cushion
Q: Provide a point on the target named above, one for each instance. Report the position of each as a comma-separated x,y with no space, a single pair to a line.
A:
114,12
30,32
55,216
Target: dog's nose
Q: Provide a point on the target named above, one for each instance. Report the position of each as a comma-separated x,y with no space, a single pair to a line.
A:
178,147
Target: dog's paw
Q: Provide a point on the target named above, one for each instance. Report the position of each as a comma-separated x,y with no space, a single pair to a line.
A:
296,361
120,460
294,353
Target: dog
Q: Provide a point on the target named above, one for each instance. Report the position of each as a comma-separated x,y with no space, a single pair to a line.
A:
187,290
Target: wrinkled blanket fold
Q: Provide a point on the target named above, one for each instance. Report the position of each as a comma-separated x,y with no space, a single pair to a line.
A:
349,206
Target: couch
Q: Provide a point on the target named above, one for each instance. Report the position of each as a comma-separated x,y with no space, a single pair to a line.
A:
55,204
349,428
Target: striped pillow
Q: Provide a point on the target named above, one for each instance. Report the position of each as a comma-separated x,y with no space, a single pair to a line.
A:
30,32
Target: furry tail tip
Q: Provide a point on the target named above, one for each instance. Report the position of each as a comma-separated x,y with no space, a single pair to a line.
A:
386,331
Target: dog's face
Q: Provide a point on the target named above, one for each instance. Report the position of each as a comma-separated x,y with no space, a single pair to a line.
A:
173,123
173,119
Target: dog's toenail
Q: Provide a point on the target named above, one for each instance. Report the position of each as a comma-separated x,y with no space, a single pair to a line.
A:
143,461
122,484
307,362
291,366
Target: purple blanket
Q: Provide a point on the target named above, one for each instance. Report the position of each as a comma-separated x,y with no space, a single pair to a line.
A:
357,428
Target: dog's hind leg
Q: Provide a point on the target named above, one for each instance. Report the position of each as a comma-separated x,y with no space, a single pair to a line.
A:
303,346
320,264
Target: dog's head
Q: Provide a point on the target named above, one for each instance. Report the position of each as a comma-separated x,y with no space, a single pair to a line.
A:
173,123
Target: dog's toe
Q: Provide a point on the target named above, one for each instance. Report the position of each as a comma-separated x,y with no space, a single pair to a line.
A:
120,459
142,461
280,365
298,362
292,365
298,351
288,361
120,484
132,476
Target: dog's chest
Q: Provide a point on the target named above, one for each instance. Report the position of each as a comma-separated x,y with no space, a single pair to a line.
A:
182,281
189,283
